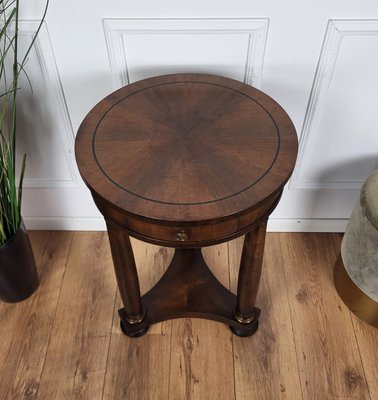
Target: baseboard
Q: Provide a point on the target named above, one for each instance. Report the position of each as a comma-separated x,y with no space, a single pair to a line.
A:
65,223
98,224
307,225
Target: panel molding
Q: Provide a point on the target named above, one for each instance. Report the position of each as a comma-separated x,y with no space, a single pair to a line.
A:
51,78
337,30
116,29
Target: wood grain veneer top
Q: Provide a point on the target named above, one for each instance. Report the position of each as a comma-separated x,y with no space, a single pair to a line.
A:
186,147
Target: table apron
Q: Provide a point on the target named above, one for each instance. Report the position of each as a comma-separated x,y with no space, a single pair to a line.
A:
181,236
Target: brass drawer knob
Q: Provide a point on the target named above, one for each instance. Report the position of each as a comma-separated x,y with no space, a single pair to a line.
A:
181,236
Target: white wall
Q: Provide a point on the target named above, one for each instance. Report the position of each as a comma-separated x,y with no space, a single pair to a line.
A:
319,60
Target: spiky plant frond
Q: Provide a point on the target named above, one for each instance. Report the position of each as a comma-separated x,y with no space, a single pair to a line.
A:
11,66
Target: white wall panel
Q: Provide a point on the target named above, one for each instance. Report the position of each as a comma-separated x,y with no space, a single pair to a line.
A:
320,68
339,141
141,48
44,129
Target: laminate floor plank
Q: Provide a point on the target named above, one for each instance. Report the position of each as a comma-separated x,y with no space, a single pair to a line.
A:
64,342
25,327
77,353
328,356
201,352
265,363
367,339
138,368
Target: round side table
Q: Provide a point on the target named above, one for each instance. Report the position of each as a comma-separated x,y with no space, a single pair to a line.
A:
187,161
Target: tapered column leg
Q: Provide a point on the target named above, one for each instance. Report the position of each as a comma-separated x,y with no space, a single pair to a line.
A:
249,277
126,274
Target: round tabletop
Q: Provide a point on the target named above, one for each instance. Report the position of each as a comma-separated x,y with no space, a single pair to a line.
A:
186,147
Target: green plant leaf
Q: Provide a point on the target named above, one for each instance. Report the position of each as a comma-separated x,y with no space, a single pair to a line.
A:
11,66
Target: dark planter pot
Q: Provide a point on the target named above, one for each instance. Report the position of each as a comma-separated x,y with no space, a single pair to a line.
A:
18,273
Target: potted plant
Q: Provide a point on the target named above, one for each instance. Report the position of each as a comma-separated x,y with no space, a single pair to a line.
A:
18,275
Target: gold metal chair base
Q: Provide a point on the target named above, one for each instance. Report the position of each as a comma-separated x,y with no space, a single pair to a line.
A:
354,298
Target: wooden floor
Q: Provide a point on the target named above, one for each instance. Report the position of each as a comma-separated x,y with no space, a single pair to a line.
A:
65,342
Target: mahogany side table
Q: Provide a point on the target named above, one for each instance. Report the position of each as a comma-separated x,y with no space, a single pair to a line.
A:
187,161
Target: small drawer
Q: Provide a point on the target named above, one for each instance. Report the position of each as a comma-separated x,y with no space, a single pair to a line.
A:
197,235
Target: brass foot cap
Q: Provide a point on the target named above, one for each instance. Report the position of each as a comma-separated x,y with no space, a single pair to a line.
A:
135,319
245,320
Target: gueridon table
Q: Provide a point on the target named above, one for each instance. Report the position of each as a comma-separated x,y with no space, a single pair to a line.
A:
187,161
